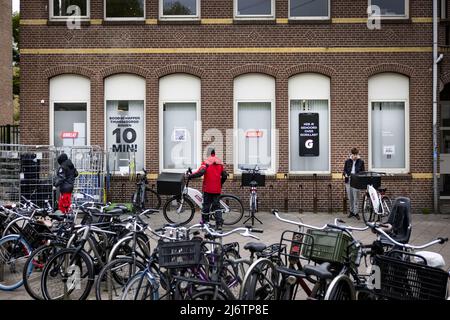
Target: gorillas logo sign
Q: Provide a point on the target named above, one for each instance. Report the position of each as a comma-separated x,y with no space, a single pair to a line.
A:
308,134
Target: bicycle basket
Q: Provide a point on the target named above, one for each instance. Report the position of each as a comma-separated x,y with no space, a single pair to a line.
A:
179,254
291,248
404,280
362,179
329,246
32,232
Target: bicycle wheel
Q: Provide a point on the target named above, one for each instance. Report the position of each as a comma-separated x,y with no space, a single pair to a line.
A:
260,282
178,212
233,274
68,275
341,288
124,248
367,209
233,209
387,206
141,287
209,294
114,276
14,252
34,266
152,199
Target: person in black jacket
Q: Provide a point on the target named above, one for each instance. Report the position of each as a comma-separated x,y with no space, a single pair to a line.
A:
64,180
353,165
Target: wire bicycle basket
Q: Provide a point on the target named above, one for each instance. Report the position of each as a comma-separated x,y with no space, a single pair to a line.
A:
180,254
405,280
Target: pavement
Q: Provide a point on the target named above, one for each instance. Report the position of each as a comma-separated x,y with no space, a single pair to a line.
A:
425,228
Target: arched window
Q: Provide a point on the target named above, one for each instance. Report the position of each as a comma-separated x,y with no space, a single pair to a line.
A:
309,123
389,122
179,99
125,119
70,97
254,104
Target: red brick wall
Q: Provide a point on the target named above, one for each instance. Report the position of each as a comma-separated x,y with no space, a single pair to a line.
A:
349,73
6,95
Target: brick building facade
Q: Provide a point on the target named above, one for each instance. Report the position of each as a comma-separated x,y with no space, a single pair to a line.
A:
6,100
351,64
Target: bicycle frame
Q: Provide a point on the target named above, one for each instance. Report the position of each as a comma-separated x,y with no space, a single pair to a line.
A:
197,197
375,198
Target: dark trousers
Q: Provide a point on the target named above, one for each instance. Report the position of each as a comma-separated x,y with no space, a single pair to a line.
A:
211,204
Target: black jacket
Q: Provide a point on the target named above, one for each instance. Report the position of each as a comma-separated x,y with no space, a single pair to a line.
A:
359,167
66,174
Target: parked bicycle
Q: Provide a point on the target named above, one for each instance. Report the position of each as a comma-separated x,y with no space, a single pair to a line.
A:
252,178
316,262
186,266
376,205
144,197
180,209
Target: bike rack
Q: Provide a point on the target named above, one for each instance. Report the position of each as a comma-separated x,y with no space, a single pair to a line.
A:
330,198
315,199
300,209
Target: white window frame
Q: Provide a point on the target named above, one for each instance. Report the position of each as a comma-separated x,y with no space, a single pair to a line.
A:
254,16
197,128
271,170
406,169
63,18
178,17
52,109
123,18
329,139
197,133
105,117
52,119
405,16
328,17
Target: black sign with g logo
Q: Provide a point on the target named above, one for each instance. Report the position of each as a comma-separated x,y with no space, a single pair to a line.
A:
309,134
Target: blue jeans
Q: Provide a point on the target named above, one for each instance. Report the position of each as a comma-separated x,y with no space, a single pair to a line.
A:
353,197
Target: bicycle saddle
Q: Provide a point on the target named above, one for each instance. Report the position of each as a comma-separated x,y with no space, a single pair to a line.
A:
112,212
382,190
321,271
255,247
291,272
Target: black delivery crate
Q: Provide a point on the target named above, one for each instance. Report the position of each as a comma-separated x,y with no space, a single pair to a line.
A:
170,183
362,179
248,177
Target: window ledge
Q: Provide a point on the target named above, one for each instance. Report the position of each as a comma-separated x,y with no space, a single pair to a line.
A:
63,22
122,22
309,21
179,21
396,20
253,21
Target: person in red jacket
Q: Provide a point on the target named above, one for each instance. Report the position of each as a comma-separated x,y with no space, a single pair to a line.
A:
214,177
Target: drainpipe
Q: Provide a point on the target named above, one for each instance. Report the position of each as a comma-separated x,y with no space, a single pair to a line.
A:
435,87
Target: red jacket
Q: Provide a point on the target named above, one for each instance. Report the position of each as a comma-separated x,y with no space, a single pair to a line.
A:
215,175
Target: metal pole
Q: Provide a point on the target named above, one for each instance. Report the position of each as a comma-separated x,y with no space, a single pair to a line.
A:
435,88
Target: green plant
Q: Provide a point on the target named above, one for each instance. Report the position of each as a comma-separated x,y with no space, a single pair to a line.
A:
426,210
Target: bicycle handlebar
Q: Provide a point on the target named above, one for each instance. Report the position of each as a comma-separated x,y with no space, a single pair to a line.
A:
245,232
301,224
376,227
205,227
254,169
345,227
